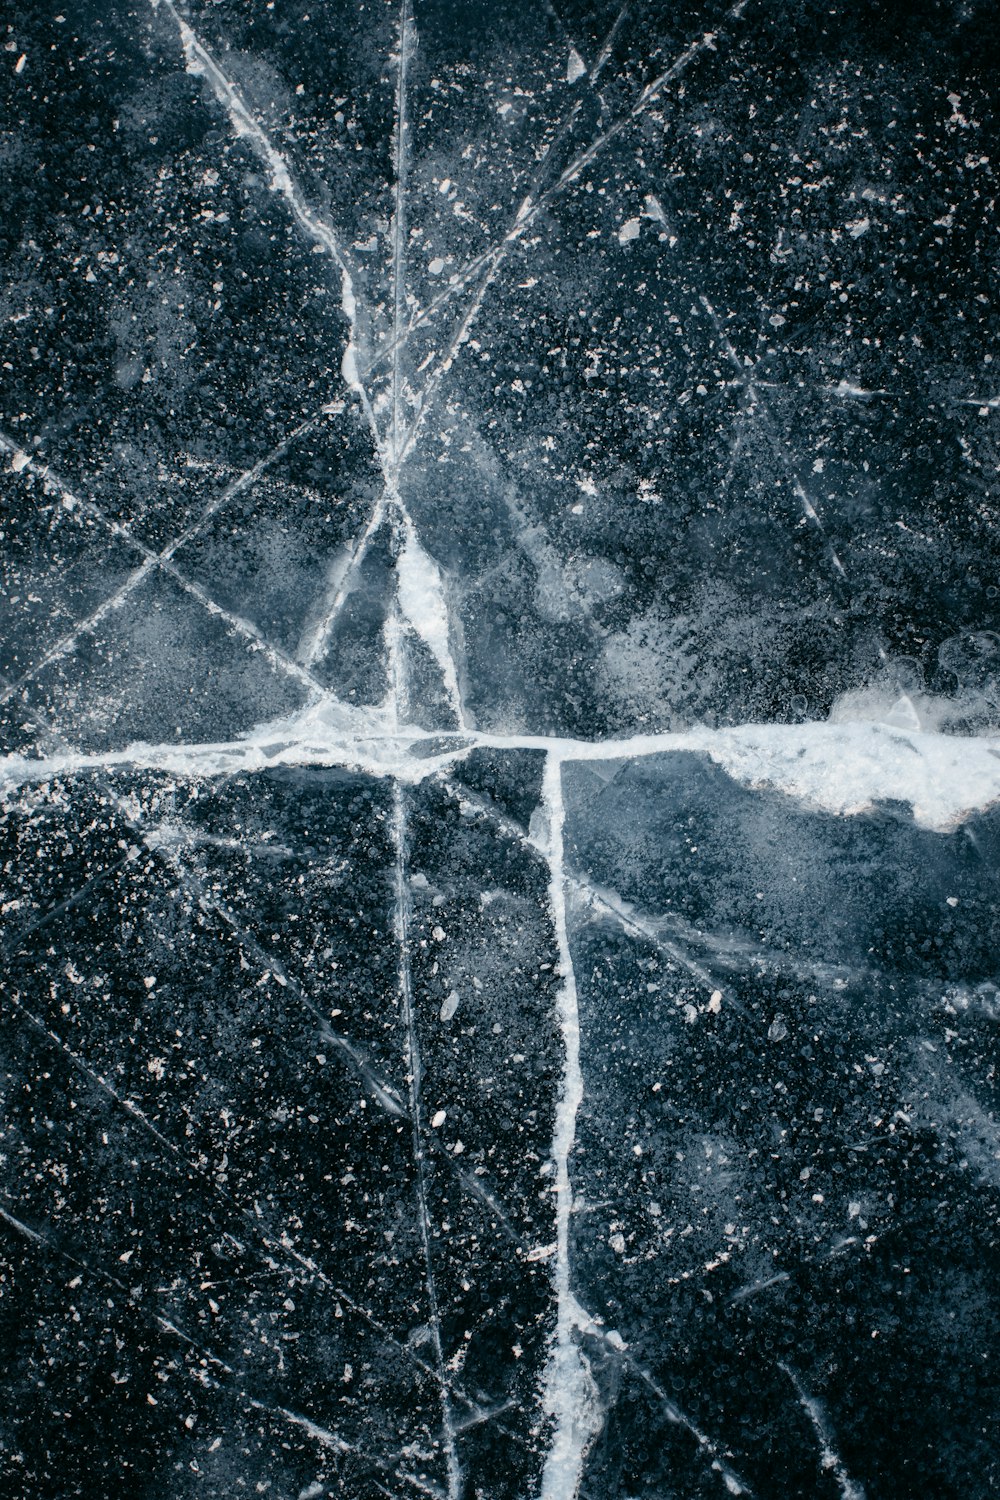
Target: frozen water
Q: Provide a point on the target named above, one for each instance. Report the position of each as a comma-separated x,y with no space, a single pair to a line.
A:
500,767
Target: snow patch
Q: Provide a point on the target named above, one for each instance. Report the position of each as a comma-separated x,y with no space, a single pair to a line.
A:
575,66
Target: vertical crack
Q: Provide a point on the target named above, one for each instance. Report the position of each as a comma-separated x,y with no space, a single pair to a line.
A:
569,1395
399,227
402,923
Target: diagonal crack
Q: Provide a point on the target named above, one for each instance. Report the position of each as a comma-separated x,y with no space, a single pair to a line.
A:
163,560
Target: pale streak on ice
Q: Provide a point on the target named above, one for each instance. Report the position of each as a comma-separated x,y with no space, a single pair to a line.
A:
609,43
744,1293
399,229
200,62
712,1451
569,1395
831,1460
419,587
22,1229
610,903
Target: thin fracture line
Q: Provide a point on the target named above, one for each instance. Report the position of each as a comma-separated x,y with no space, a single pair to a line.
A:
455,1482
23,933
283,1249
199,61
320,637
152,560
831,1460
734,1484
532,206
323,1436
609,43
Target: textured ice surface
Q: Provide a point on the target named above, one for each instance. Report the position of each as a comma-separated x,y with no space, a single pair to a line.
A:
499,750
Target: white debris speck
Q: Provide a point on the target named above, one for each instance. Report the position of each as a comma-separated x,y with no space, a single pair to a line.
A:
617,1243
541,1252
19,461
857,227
952,900
715,1003
436,266
438,1120
19,65
777,1031
629,231
450,1006
438,934
575,67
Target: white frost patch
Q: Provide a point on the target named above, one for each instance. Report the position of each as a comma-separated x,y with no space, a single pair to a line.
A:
575,67
847,768
421,603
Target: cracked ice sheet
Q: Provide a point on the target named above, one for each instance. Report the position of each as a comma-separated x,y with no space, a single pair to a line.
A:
608,523
153,349
791,1157
203,992
594,594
